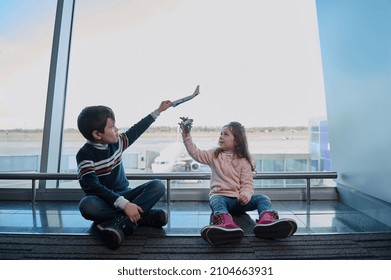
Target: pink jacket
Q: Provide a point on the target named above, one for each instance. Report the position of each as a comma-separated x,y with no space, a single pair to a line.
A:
230,176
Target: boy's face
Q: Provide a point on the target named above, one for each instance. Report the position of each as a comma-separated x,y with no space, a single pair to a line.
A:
110,135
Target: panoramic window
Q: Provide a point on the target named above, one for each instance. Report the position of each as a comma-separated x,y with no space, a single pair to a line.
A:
257,62
26,29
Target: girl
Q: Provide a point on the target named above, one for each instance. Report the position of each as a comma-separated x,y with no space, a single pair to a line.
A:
231,188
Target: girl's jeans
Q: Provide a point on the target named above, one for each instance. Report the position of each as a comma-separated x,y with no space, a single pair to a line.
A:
146,196
225,204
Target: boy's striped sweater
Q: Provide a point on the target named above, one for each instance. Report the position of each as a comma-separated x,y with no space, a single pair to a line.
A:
100,169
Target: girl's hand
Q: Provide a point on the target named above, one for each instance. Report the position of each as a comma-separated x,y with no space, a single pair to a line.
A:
185,125
243,199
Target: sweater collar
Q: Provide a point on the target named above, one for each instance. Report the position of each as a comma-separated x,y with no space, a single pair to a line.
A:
98,145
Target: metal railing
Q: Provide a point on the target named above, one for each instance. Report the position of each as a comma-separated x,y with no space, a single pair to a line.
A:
168,177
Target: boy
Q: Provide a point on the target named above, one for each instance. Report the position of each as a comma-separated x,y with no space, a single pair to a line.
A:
115,208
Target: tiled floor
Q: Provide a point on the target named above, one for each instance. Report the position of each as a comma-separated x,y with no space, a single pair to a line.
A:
187,218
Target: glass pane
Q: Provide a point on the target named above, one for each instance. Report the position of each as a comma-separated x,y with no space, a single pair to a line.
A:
26,32
257,62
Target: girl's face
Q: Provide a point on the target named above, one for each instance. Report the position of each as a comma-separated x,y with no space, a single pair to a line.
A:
226,140
110,135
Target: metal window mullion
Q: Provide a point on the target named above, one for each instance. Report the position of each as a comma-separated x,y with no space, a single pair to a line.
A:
56,94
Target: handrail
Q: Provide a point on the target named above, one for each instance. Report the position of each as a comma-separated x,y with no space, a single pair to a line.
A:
33,176
166,176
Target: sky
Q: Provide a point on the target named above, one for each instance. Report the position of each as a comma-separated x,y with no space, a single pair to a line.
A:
257,62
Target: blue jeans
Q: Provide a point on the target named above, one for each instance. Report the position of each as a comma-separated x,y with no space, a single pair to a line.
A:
225,204
146,196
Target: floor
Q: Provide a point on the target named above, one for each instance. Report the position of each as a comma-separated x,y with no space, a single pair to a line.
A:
187,218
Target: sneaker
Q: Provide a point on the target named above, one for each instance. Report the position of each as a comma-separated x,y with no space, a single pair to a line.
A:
113,231
270,226
154,218
111,236
222,231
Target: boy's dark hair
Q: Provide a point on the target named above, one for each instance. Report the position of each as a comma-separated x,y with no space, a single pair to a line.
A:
93,118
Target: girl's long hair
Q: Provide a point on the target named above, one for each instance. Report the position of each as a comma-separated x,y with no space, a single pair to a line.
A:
241,145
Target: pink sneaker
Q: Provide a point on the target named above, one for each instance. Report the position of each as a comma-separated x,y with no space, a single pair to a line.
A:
270,226
223,230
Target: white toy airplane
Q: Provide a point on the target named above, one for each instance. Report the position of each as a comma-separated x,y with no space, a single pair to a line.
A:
187,98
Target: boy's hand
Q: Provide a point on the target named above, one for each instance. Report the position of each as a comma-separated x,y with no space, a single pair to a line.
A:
164,106
186,125
133,211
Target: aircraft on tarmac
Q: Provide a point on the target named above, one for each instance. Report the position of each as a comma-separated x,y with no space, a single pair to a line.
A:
174,158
